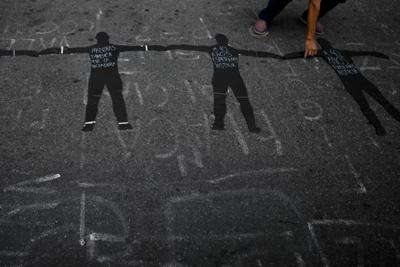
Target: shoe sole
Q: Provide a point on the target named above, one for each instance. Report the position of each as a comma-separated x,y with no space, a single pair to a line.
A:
256,33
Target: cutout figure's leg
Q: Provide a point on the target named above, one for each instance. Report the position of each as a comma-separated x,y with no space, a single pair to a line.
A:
220,88
377,95
240,91
359,97
114,86
96,85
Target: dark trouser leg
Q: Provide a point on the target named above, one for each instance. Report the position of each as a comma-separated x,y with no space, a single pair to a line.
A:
240,91
374,93
220,87
359,97
273,9
114,86
326,6
96,86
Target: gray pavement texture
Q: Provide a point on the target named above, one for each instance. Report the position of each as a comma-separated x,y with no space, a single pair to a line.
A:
317,187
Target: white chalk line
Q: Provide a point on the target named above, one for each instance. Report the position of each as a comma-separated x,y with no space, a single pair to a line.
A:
82,155
185,55
56,27
106,237
344,222
82,219
190,91
18,186
303,107
239,135
207,133
317,245
181,165
176,145
36,206
356,175
8,253
326,138
125,150
299,259
165,91
278,143
288,62
251,173
89,185
205,26
139,94
98,20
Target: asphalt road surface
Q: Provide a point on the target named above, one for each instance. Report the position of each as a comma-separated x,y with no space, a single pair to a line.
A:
316,187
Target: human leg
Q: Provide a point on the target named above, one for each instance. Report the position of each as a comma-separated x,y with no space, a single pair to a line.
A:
326,6
267,14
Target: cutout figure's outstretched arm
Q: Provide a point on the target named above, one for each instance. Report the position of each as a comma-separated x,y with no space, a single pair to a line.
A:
126,48
251,53
299,54
200,48
18,53
65,50
365,53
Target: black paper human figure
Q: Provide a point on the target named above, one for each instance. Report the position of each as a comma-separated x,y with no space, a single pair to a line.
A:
104,71
226,74
353,80
31,53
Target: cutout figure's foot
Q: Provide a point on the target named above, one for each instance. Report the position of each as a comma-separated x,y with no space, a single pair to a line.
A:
88,126
260,28
320,30
255,129
124,126
380,131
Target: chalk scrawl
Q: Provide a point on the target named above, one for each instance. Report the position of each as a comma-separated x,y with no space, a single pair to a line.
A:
353,80
226,74
104,71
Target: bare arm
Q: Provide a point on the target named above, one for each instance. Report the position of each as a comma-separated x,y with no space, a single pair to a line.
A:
257,53
200,48
312,19
365,53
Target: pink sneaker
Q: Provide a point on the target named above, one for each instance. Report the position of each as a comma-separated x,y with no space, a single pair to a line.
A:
260,28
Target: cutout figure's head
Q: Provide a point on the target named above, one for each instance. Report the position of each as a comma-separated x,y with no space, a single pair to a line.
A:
102,38
324,43
221,39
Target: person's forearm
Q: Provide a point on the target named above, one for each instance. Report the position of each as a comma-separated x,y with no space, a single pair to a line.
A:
312,19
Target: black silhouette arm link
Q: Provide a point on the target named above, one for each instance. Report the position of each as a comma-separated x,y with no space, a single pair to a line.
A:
299,54
365,53
18,53
199,48
252,53
65,50
126,48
